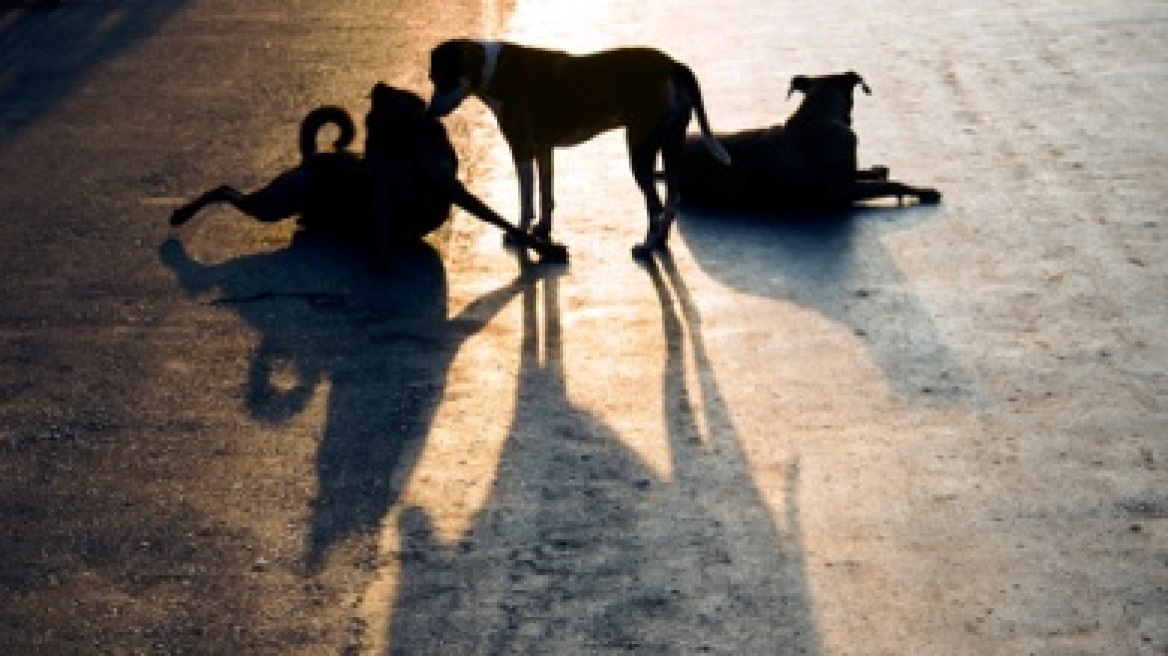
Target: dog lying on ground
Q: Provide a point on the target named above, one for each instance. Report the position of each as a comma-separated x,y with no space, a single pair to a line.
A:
400,191
808,163
547,99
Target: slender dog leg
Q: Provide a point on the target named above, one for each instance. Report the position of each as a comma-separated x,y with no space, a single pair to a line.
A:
547,201
282,198
873,174
642,160
671,150
668,138
863,190
224,194
524,171
461,197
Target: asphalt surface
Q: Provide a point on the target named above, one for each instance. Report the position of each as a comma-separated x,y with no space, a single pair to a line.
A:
906,430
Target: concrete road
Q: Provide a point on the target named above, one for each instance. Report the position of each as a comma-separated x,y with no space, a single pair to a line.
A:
917,430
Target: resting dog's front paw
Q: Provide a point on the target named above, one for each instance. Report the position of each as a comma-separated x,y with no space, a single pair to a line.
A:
929,197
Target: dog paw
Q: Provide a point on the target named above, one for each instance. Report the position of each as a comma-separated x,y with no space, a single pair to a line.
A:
181,216
542,231
929,197
642,252
554,253
516,239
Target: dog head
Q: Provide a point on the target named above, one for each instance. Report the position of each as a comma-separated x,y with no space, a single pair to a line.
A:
827,97
388,100
839,83
457,69
394,114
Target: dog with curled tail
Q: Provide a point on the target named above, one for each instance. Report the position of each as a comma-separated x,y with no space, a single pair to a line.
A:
400,190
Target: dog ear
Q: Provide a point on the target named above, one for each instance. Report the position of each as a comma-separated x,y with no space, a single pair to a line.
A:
445,61
799,83
857,80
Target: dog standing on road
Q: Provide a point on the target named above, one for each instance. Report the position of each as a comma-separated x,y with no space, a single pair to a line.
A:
546,99
808,163
401,190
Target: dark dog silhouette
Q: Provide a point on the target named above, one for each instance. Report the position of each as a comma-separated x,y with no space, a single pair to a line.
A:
547,99
808,163
399,191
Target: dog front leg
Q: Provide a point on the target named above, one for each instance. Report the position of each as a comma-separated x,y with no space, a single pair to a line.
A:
513,235
862,191
222,194
523,170
547,202
873,174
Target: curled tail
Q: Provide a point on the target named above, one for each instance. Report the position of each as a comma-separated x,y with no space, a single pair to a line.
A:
687,82
320,117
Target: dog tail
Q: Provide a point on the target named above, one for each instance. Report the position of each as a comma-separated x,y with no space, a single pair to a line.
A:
688,83
320,117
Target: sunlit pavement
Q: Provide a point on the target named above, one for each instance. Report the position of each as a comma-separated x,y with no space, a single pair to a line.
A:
919,430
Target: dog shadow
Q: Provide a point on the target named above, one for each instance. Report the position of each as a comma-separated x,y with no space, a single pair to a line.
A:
833,263
377,347
581,547
38,74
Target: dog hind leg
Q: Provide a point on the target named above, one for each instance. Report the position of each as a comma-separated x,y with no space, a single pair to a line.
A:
280,199
642,158
222,194
668,139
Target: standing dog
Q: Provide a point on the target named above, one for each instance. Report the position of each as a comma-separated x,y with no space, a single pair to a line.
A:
400,191
546,99
810,162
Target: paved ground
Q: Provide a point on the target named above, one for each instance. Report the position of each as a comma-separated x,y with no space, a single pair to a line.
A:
935,430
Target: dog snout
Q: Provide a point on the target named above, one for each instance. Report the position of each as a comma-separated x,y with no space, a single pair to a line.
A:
444,102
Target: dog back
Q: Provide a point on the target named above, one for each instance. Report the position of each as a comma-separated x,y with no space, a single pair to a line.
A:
566,99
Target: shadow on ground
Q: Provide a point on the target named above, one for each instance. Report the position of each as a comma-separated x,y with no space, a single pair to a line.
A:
51,48
377,347
834,263
581,548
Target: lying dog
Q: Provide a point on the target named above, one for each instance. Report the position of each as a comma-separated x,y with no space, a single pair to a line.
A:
546,99
810,162
399,192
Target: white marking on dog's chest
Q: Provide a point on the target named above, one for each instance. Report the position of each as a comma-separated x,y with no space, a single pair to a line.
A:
491,51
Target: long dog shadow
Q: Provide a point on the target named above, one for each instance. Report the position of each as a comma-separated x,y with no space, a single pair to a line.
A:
834,263
51,47
378,346
582,548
